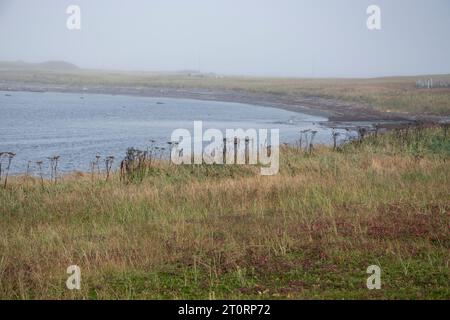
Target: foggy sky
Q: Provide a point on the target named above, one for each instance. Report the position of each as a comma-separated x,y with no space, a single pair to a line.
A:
304,38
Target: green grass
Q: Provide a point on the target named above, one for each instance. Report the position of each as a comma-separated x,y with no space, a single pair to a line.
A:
199,232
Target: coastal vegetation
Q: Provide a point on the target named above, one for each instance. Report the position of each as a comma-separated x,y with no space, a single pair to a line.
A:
213,231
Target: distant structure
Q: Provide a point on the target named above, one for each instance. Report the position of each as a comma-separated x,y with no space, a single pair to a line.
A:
430,84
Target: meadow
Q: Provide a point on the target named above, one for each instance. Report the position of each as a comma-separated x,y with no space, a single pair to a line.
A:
212,232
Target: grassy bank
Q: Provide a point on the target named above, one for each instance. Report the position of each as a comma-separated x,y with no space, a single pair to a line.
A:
395,94
227,232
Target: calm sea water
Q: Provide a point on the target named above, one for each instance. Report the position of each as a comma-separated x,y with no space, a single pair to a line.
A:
77,127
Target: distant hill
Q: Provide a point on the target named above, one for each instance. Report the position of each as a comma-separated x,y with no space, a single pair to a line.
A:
48,65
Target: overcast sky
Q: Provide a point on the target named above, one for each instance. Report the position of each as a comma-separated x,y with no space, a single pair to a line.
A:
320,38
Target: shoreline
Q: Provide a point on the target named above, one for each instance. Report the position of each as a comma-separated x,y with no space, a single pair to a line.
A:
335,111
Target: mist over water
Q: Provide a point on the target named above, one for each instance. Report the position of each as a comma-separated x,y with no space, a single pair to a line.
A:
299,38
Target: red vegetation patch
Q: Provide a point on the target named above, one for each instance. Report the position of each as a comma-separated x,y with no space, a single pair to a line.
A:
394,223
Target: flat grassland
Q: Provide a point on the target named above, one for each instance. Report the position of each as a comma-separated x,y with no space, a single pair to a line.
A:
341,97
227,232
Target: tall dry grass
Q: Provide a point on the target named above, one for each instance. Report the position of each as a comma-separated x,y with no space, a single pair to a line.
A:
226,232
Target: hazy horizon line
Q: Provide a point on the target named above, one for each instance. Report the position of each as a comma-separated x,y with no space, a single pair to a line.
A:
200,72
